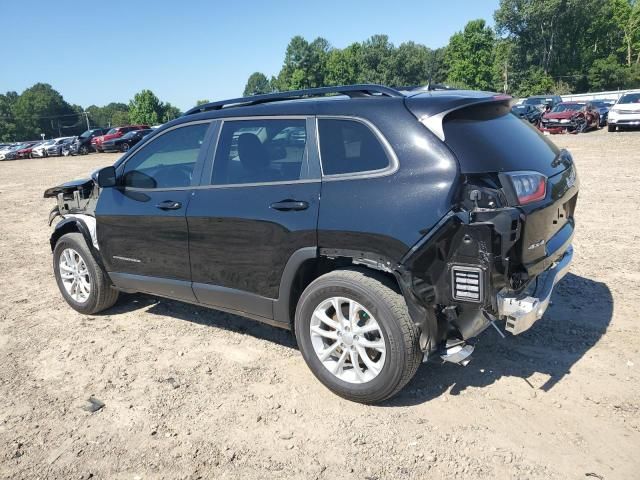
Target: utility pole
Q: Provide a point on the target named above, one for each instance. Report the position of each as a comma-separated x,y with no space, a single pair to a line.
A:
86,116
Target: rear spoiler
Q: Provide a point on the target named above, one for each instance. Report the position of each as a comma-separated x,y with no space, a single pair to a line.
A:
431,109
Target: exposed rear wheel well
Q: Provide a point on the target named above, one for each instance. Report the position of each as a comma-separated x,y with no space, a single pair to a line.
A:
316,267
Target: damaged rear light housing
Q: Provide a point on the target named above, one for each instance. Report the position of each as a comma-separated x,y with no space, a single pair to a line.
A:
528,187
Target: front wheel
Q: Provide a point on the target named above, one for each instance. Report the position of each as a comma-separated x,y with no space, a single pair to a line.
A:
124,147
82,282
83,150
355,333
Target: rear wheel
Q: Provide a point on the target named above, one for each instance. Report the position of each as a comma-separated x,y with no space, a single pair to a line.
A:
124,147
355,333
82,282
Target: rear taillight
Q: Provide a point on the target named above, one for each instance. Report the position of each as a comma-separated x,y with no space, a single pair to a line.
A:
528,186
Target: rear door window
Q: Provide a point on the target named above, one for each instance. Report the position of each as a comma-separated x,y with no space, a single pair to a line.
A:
260,151
349,146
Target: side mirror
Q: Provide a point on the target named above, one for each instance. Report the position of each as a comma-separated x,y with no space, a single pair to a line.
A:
107,177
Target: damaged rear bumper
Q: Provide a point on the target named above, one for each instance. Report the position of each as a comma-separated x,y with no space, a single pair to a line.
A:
522,311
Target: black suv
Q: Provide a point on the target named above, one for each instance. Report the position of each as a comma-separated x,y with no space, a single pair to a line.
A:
82,145
384,227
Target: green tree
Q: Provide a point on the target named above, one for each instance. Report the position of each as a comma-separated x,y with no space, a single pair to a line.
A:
409,65
113,114
7,120
170,112
626,14
257,84
376,60
607,74
145,108
469,56
343,66
41,109
201,102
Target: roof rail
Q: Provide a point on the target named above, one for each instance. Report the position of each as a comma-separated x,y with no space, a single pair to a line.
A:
429,87
353,91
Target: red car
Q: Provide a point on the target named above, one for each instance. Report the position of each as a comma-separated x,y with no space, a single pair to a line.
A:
570,117
25,152
116,132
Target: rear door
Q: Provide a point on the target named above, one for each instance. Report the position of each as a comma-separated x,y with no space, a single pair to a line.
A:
141,223
257,205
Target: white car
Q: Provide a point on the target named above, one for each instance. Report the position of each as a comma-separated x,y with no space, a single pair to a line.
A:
5,150
41,149
626,112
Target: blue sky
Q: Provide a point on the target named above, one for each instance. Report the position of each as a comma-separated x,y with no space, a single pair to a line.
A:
188,50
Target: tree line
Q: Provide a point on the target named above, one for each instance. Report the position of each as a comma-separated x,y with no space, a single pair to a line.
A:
535,47
40,109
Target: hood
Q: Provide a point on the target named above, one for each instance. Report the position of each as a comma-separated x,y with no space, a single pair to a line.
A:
68,187
561,115
632,107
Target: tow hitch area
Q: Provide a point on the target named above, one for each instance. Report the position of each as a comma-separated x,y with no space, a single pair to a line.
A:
522,312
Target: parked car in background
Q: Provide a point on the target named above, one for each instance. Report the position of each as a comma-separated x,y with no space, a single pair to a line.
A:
603,109
4,151
40,150
527,112
25,151
56,149
82,144
570,117
116,132
542,101
50,148
126,141
625,113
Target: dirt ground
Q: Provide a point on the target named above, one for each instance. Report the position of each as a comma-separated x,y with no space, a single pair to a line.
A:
194,393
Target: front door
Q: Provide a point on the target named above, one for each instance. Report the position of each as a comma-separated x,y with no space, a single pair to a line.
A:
141,223
260,206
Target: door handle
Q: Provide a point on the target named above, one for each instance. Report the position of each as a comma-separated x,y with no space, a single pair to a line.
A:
169,205
289,205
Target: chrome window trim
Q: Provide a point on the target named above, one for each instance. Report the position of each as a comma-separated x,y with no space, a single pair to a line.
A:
231,185
139,147
394,163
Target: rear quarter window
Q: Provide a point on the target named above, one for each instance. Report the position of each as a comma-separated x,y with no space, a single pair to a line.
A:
348,147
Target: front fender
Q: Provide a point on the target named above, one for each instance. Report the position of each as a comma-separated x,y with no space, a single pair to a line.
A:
83,224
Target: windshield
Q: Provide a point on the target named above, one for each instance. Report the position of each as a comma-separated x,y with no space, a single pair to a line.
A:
630,98
538,101
112,131
565,107
129,135
519,109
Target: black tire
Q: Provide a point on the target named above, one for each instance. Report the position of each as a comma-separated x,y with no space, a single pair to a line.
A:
124,147
379,296
611,128
83,150
102,294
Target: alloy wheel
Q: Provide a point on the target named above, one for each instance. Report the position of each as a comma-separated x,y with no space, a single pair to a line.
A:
75,275
347,340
